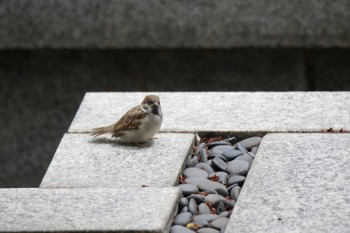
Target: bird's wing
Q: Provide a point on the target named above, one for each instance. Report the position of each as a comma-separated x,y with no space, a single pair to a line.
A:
131,120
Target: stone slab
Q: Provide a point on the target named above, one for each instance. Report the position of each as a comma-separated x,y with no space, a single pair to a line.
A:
82,210
158,24
297,183
84,161
224,111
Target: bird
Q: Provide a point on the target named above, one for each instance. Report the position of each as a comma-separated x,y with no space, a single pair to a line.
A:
138,125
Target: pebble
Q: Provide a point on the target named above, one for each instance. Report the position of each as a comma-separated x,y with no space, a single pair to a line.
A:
222,192
236,179
238,167
235,192
194,180
204,218
231,154
197,197
195,172
180,229
251,142
219,223
203,155
246,157
213,167
218,150
203,209
208,230
183,218
218,143
192,206
220,207
221,177
208,185
219,164
205,167
192,162
241,147
199,148
211,198
188,189
225,214
183,202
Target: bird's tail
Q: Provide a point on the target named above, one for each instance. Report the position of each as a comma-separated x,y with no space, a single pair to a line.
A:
102,130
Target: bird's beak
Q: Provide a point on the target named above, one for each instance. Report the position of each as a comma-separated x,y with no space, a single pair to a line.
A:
155,104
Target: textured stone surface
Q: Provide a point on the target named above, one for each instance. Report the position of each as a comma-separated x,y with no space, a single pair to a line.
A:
298,183
81,210
169,23
40,90
225,111
84,161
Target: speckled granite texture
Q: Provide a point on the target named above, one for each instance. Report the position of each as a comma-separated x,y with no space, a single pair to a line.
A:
81,210
225,111
84,161
169,23
297,183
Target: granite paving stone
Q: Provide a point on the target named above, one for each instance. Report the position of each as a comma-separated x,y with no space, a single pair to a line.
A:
84,161
297,183
248,112
88,209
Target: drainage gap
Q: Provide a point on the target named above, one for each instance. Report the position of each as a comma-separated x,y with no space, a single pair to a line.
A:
212,181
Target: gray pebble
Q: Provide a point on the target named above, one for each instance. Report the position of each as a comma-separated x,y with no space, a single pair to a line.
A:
180,229
220,207
205,217
254,150
185,209
199,148
197,197
213,156
211,198
183,218
203,209
206,167
246,157
222,192
203,155
236,179
194,180
221,176
208,185
193,162
219,164
250,142
195,172
235,192
219,223
183,202
188,189
210,162
218,150
192,206
231,154
241,147
225,214
228,203
238,167
208,230
218,143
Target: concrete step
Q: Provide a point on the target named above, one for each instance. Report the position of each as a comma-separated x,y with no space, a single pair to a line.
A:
248,112
89,209
297,183
84,161
159,24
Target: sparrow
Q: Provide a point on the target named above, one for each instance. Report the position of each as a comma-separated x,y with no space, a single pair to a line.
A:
137,125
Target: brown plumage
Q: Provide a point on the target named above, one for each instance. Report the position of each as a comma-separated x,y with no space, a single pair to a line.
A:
138,124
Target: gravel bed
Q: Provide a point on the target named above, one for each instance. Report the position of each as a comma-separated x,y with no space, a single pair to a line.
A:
211,183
